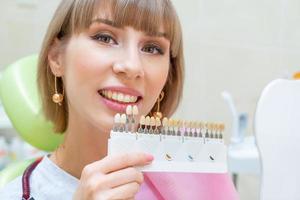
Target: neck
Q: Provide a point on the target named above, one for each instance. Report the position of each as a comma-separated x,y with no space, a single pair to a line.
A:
82,145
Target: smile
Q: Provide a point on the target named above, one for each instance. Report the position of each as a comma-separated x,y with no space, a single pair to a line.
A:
119,97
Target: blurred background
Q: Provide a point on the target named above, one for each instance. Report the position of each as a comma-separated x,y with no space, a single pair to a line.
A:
237,46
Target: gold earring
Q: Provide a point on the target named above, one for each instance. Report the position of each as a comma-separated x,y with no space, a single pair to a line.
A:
57,97
158,114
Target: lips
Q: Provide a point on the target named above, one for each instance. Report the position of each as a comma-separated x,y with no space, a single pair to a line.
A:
118,98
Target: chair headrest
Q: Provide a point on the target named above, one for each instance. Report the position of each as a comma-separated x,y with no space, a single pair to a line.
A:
19,96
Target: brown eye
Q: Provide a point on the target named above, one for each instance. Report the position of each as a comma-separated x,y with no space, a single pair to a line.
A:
105,38
153,49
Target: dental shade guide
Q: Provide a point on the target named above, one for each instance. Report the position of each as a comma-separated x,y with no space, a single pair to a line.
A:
177,145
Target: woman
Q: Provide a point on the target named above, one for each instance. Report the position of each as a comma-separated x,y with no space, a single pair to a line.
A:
97,58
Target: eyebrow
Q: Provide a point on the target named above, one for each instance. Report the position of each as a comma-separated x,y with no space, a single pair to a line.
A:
105,21
113,24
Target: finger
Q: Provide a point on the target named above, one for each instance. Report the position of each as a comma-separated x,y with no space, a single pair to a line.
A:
127,191
121,161
123,176
105,183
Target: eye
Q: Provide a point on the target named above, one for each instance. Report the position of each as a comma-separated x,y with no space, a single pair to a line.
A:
153,49
104,38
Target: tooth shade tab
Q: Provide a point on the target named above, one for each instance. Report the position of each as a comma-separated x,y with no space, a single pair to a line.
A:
147,121
152,121
199,125
180,123
157,122
185,124
123,119
176,123
170,122
222,127
212,127
129,110
165,122
194,125
142,120
135,110
206,125
117,118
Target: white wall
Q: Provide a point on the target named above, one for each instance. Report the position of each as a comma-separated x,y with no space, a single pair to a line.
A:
22,27
239,46
234,45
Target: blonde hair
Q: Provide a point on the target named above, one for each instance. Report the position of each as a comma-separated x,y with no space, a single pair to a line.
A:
74,16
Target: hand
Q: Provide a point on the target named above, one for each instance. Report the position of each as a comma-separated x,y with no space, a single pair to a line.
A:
113,177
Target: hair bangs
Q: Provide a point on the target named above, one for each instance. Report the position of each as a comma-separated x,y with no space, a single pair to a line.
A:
154,17
82,15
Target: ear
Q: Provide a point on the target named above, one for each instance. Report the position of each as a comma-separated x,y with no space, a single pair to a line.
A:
55,58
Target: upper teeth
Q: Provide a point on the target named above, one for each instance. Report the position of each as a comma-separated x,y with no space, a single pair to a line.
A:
118,96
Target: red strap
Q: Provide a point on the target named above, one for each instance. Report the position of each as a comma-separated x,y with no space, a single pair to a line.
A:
25,179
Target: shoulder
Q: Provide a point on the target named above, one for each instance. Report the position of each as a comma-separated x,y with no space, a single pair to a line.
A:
13,190
47,181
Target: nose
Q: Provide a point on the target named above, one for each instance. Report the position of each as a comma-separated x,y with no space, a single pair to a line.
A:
129,65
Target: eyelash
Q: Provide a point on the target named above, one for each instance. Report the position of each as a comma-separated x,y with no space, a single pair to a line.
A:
99,37
157,48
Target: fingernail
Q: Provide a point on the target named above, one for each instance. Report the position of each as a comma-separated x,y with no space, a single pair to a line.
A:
149,157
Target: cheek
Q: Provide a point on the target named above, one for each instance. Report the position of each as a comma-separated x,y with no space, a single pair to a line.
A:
85,69
86,64
157,75
155,81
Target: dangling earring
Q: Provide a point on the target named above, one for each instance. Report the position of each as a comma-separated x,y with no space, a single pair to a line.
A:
57,97
158,114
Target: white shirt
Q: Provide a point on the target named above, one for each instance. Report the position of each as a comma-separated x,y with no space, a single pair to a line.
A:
47,182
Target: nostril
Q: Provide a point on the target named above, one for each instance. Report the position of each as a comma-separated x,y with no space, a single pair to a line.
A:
128,70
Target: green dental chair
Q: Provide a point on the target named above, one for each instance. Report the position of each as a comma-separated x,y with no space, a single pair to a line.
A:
19,96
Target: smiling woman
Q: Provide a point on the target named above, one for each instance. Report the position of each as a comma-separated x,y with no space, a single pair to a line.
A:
98,57
104,22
